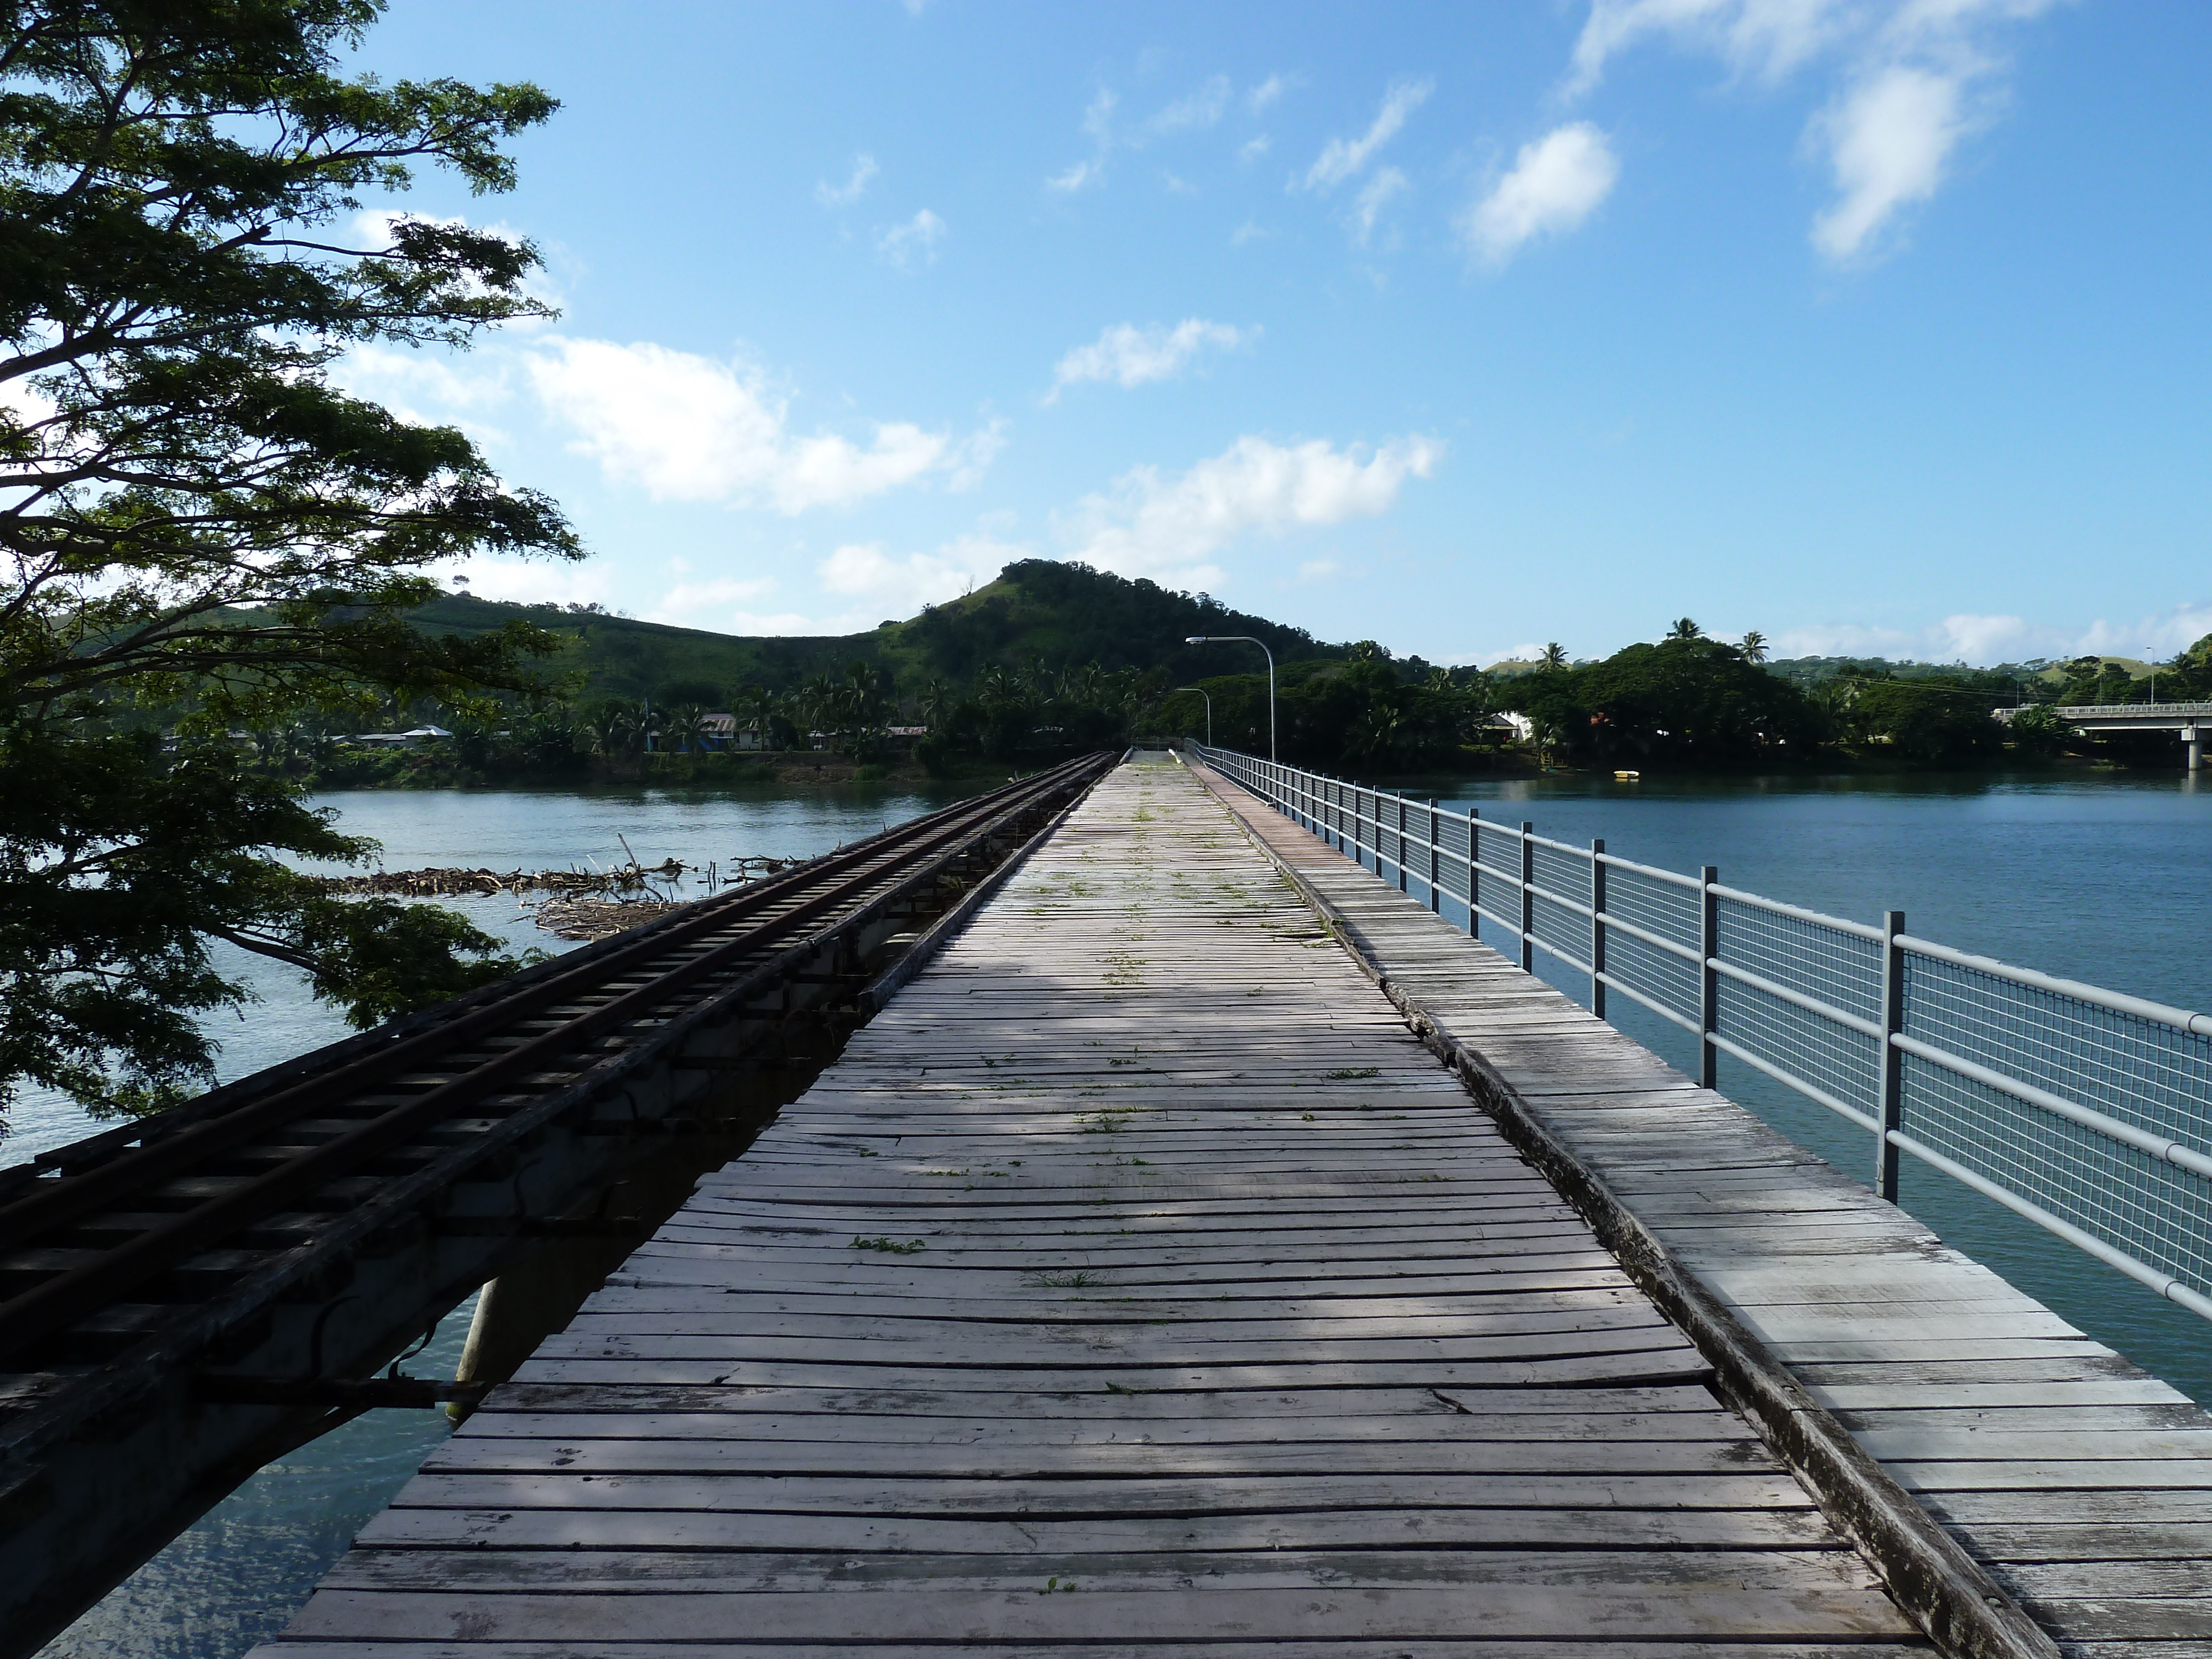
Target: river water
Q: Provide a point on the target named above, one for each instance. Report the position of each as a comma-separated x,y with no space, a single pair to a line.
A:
2099,878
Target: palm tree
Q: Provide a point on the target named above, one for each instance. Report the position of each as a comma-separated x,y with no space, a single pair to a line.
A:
1555,656
1753,646
1686,630
683,723
935,703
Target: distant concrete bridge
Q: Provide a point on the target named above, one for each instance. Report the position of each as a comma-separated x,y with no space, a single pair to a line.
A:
2184,718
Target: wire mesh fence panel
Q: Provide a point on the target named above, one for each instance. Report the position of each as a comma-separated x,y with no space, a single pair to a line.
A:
1657,975
1842,1063
1822,963
1560,914
1497,855
1656,906
1829,964
2140,1204
2143,1071
1801,997
1452,835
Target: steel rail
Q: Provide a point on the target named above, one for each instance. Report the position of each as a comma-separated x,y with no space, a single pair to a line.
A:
57,1200
66,1298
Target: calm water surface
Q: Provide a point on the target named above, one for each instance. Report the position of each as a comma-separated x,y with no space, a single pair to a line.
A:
2103,879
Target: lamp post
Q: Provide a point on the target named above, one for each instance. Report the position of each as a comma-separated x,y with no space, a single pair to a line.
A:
1203,692
1223,639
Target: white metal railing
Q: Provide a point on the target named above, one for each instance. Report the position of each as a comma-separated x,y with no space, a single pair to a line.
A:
2085,1110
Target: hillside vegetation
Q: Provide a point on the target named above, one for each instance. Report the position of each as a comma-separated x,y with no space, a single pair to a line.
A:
1052,658
1037,611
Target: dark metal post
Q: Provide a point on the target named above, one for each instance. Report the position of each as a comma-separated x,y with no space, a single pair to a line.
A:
1528,898
1402,874
1708,981
1436,898
1597,928
1474,875
1890,1111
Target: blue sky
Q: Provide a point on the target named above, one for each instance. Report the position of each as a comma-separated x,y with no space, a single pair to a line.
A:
1874,324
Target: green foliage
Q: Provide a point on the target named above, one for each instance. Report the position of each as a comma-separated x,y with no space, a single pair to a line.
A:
1931,721
196,518
2039,730
1686,701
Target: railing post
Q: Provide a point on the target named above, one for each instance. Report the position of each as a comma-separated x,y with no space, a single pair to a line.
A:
1528,898
1890,1096
1708,981
1474,875
1401,845
1436,899
1597,928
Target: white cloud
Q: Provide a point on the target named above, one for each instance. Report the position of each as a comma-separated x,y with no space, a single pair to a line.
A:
1150,524
1340,158
1315,570
1914,78
1984,640
881,585
914,242
1098,127
692,428
1253,149
1556,182
844,195
1267,92
1887,141
901,587
1129,356
1201,108
685,605
1764,38
1387,183
971,458
515,581
1250,231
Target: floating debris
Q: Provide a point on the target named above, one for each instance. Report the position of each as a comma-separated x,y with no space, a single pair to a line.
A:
631,877
590,920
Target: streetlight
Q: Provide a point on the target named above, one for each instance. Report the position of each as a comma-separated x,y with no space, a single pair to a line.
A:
1224,638
2153,662
1202,692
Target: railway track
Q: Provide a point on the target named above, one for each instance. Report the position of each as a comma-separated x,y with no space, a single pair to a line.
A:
182,1299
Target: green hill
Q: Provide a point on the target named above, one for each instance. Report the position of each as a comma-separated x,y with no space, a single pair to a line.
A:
1067,615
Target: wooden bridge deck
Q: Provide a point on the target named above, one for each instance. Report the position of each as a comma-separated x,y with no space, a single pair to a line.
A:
2081,1484
1135,1281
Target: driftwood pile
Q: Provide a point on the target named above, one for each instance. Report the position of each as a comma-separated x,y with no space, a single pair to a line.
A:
439,883
577,904
594,919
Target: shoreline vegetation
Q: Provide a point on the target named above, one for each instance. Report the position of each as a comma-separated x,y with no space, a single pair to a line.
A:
1051,659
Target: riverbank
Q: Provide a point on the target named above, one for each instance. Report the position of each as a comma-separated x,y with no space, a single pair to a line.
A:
444,768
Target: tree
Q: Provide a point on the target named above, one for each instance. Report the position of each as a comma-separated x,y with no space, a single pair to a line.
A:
2038,729
1753,646
1684,629
200,531
1555,656
1685,702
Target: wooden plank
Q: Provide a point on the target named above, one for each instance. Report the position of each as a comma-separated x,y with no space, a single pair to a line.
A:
2019,1433
1087,1269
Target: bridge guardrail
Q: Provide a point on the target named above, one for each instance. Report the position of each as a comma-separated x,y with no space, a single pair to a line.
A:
2087,1111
